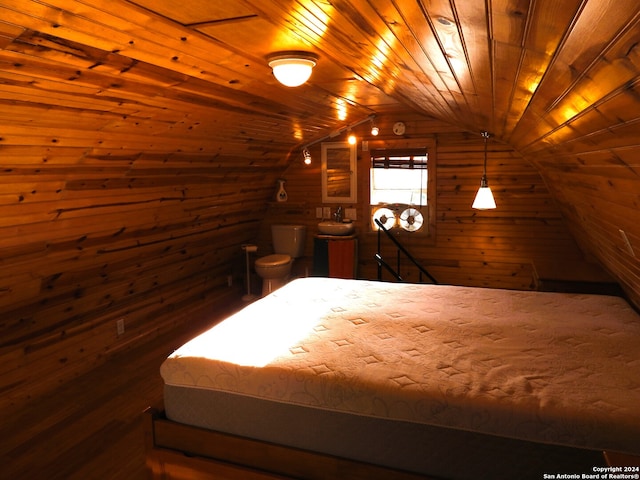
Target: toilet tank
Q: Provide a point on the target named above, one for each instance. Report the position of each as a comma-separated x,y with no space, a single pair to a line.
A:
289,239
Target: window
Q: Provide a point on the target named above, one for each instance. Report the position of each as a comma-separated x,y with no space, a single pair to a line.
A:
398,189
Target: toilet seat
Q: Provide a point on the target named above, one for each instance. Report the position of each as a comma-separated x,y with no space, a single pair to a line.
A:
275,269
272,261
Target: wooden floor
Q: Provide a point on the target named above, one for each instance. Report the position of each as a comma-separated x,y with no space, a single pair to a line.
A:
92,428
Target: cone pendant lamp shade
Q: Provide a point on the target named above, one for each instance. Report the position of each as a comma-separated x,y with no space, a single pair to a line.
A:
484,198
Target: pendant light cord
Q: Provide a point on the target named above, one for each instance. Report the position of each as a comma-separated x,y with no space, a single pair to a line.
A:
483,182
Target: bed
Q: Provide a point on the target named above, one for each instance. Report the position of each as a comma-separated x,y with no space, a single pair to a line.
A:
336,378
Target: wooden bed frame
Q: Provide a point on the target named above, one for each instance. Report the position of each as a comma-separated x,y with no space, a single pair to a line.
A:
182,452
177,451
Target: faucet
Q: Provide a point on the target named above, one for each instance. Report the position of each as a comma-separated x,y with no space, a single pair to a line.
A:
338,215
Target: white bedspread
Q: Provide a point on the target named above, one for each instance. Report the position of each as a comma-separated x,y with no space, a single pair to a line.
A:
548,367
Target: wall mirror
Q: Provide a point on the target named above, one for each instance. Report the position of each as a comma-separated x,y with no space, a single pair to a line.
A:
339,182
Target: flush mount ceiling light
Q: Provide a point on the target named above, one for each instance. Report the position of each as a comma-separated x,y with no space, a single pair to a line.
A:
292,69
484,198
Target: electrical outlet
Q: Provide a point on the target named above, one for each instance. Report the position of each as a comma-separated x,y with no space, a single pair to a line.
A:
318,212
229,280
120,326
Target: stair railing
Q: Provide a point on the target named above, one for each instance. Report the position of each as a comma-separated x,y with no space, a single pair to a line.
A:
400,249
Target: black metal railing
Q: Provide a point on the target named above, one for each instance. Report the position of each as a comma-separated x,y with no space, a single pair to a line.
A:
400,249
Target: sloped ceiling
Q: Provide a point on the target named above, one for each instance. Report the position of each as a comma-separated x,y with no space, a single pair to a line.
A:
558,80
525,70
519,69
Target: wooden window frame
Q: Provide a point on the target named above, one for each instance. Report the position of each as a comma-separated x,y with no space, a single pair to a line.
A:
429,146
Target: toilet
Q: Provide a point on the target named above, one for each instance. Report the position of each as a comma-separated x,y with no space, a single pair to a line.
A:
288,244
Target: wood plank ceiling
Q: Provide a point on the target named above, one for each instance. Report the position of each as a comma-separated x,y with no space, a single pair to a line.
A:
519,69
557,80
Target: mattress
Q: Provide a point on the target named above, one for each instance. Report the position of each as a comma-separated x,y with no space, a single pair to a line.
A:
550,368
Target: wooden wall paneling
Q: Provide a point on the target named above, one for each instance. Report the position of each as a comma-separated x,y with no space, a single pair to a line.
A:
106,292
134,248
47,360
588,194
606,244
50,154
133,236
18,288
509,247
112,210
591,167
603,166
40,370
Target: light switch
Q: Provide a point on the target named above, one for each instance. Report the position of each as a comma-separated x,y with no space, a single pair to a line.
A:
318,212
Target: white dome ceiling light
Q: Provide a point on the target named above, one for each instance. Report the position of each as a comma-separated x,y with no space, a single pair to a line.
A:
292,69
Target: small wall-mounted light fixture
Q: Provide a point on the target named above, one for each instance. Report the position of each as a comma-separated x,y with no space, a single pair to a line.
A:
307,156
484,198
292,68
374,128
351,137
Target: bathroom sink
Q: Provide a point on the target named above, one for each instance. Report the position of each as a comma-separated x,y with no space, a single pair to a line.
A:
330,227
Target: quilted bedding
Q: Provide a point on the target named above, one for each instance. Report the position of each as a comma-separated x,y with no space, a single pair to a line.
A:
562,369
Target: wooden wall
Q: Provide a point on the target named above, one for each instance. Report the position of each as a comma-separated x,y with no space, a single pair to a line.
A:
591,166
524,240
90,237
143,238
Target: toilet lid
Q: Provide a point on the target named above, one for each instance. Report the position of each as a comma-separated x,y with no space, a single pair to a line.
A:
274,260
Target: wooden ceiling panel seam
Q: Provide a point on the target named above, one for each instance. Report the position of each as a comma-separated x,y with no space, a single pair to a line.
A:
461,109
597,107
510,83
562,88
470,18
172,54
600,59
197,11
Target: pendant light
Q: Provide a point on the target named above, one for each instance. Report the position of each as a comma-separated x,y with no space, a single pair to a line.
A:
484,198
292,69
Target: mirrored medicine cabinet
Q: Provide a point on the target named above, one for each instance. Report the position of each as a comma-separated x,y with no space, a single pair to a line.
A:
339,179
